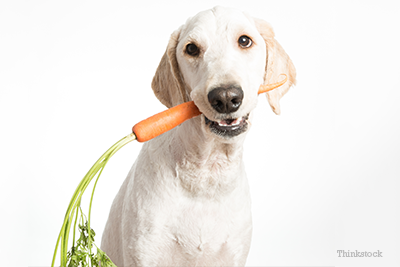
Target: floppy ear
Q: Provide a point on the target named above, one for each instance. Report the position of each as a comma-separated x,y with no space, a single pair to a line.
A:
277,62
168,83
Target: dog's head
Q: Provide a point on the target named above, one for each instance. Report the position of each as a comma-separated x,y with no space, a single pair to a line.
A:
219,59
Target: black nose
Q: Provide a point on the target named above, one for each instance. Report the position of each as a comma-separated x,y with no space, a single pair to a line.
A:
226,99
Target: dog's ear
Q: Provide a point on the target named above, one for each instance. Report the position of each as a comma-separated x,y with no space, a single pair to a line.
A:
277,62
168,83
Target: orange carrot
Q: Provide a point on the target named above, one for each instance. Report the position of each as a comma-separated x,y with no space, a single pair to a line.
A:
269,87
164,121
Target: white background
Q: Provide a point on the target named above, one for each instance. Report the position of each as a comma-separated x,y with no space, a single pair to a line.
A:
75,77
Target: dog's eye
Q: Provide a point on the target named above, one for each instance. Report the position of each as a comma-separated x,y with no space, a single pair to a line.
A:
192,49
245,41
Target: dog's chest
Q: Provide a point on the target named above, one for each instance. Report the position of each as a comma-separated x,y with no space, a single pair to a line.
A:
205,228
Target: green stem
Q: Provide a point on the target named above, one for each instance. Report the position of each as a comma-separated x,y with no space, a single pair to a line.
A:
94,187
90,205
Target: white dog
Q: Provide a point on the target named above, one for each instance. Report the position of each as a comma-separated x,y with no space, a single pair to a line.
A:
186,199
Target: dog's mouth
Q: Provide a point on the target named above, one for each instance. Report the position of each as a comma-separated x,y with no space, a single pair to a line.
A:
228,127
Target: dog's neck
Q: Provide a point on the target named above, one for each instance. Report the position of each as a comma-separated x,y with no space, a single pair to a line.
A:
204,164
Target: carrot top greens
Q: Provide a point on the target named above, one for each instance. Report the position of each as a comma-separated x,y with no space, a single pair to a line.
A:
80,255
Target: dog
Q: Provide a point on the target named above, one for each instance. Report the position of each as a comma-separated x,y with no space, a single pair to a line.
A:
186,200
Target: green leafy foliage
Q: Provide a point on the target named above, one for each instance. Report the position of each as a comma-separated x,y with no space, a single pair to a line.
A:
80,253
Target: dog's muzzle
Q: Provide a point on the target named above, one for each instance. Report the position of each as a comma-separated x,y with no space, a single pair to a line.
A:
227,99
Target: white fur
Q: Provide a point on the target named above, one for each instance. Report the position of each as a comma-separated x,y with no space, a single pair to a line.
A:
186,199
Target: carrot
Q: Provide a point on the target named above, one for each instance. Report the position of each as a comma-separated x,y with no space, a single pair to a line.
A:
269,87
166,120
